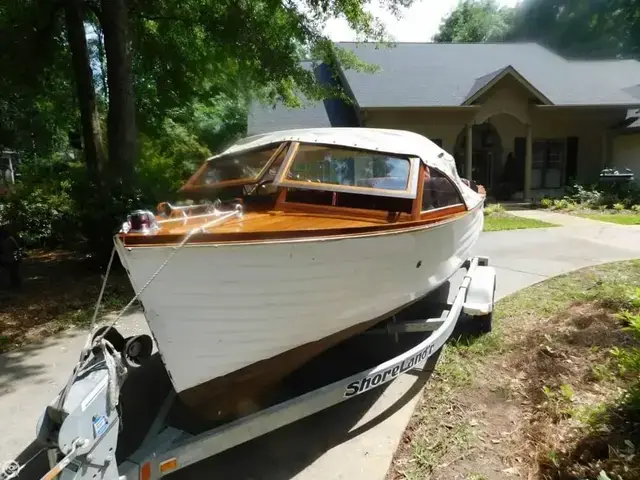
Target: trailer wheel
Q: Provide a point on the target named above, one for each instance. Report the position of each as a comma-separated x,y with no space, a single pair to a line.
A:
483,323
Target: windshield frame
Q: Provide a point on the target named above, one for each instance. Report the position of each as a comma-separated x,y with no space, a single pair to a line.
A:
191,186
410,191
290,149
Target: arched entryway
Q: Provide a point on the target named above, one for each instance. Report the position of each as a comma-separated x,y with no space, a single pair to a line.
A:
486,155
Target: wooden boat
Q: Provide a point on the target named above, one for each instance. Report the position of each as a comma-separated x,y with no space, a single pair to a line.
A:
315,236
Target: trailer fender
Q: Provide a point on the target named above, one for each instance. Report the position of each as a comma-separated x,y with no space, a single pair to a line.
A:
481,293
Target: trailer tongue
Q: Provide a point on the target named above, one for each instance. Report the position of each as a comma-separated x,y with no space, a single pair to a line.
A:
82,427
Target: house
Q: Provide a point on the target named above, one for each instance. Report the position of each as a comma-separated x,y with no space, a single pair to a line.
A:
525,121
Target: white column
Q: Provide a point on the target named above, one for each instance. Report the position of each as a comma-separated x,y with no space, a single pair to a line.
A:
528,163
468,152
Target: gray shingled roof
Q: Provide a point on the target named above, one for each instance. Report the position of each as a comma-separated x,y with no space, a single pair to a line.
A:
483,81
328,113
443,74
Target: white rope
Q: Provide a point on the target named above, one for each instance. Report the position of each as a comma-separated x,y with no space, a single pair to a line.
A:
117,373
104,285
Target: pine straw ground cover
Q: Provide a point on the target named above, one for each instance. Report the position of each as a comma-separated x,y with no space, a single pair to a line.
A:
59,291
550,394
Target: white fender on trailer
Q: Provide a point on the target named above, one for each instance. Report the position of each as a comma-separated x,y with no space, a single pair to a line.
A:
482,290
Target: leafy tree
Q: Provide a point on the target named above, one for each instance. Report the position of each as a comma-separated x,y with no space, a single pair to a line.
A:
580,28
476,21
168,79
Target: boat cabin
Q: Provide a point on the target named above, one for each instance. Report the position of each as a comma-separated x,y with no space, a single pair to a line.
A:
313,185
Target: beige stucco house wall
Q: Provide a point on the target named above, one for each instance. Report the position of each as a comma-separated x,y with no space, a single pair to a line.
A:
510,107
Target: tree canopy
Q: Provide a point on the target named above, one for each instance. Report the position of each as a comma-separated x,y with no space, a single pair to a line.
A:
150,87
574,28
476,21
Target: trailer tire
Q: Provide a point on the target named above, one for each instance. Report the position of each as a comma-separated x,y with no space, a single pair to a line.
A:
472,326
483,323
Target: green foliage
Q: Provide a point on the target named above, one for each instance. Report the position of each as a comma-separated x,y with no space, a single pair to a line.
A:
579,28
588,197
560,204
41,215
196,66
559,401
635,208
476,21
546,202
602,197
629,358
493,209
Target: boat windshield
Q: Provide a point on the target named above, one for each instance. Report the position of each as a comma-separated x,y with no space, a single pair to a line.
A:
345,167
244,167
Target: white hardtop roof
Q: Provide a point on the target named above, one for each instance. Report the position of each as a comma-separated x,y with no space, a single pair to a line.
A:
399,142
386,140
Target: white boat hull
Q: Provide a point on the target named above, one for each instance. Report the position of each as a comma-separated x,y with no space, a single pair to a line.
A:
216,309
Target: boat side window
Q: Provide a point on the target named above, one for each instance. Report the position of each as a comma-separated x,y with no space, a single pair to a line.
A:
350,167
439,191
245,166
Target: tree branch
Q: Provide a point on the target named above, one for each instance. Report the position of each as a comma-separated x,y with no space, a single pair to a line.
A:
95,9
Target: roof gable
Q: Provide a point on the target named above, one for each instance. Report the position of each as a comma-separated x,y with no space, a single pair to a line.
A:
487,82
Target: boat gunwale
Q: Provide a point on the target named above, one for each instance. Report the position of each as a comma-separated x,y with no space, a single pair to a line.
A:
300,236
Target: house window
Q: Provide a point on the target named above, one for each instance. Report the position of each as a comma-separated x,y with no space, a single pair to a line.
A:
548,163
439,191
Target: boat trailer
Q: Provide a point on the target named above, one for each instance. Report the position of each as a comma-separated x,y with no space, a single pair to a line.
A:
82,433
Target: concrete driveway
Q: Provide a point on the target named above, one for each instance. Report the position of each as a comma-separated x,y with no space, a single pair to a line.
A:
353,440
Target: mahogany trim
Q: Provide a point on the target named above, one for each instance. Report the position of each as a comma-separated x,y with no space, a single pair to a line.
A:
435,213
281,197
286,164
345,212
427,219
416,207
347,189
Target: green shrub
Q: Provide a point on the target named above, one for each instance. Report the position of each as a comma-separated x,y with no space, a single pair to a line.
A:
588,196
546,202
41,215
560,204
635,208
493,209
618,206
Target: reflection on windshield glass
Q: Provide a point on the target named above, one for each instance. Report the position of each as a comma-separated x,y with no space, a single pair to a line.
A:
246,166
339,166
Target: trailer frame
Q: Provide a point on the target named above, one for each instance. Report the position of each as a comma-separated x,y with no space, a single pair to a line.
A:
82,446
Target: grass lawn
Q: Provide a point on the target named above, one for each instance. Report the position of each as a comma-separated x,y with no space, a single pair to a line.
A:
59,291
551,393
505,221
619,218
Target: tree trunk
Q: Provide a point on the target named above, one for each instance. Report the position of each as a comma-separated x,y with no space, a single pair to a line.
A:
93,148
121,119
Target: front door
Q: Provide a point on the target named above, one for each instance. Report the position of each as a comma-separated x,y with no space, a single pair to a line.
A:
481,167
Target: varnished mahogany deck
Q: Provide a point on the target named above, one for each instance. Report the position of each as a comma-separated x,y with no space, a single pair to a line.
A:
295,221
